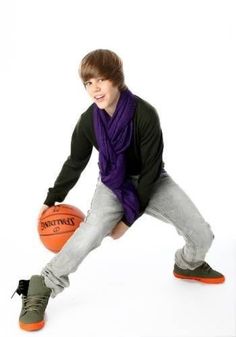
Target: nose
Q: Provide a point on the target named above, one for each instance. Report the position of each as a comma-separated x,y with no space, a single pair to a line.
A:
96,87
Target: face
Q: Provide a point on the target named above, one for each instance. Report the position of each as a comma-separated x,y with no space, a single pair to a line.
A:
103,93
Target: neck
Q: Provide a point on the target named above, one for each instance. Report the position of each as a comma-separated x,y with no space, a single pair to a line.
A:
112,108
110,113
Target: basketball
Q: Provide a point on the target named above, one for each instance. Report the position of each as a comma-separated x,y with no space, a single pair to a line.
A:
57,224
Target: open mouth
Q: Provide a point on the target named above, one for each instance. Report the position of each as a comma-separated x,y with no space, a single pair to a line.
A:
99,98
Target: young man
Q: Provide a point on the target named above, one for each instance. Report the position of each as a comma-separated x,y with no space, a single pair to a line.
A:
126,131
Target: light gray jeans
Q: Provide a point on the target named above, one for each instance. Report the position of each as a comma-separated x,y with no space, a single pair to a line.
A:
168,203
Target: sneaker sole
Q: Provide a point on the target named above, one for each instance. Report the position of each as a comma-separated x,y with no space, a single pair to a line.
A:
31,326
201,279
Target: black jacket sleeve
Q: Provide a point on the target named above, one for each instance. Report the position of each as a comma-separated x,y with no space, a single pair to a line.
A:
151,149
81,149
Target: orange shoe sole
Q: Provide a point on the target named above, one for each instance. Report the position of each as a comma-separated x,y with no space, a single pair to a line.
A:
201,279
31,326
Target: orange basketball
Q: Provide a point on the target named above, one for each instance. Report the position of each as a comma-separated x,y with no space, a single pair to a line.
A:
57,224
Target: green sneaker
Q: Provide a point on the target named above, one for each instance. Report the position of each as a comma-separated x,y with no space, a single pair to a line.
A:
203,273
35,296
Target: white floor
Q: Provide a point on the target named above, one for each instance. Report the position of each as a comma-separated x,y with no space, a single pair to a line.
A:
125,288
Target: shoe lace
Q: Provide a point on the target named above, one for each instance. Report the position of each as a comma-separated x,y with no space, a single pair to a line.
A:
34,303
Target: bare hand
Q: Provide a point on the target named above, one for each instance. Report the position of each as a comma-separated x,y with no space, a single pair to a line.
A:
119,230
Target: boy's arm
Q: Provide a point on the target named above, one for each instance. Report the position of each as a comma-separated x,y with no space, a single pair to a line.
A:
151,149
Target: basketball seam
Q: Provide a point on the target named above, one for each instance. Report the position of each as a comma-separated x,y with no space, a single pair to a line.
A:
60,214
57,233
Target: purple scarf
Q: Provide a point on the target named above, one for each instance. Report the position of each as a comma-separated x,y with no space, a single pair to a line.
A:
113,136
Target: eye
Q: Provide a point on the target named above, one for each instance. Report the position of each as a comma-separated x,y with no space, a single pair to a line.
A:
87,84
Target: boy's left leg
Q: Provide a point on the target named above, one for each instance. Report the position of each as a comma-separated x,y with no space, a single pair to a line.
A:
171,204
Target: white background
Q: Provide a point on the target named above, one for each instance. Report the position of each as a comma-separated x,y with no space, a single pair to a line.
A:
178,55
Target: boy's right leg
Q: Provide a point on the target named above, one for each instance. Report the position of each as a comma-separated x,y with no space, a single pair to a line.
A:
106,211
